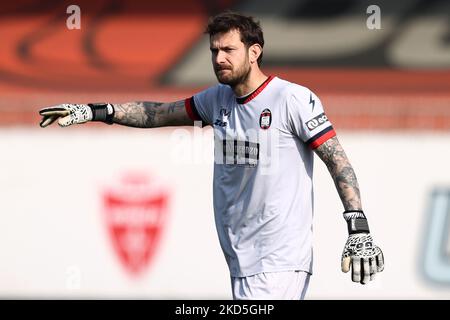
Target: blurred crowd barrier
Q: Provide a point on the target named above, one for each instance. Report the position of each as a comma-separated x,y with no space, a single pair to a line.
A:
388,73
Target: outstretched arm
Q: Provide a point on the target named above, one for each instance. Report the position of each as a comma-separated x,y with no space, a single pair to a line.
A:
140,114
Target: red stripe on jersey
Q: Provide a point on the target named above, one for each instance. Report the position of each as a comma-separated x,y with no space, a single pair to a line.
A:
316,143
256,92
190,111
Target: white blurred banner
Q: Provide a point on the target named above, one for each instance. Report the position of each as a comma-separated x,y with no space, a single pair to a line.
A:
127,213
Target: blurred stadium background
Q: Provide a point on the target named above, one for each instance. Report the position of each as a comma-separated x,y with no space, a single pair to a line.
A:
101,211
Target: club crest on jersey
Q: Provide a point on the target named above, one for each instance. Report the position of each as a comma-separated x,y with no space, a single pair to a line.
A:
265,119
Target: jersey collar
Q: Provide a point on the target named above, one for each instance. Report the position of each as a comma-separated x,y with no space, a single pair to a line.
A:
250,96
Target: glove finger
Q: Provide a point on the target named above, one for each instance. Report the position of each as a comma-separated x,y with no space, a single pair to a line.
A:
57,111
345,264
365,271
373,268
356,269
380,261
47,120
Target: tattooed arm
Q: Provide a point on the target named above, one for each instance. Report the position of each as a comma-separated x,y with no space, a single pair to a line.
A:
333,155
144,114
141,114
360,254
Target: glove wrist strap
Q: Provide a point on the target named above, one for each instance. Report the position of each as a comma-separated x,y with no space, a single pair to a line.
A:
102,112
356,221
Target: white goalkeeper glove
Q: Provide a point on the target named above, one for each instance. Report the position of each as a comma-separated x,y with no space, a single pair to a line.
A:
360,253
68,114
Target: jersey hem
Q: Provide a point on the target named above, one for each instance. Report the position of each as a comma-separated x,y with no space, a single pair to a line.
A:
252,273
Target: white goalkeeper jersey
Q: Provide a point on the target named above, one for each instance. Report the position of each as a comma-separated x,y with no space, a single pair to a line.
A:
263,168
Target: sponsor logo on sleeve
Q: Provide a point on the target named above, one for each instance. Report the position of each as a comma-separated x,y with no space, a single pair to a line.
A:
317,121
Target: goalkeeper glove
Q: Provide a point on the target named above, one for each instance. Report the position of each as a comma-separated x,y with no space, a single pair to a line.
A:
68,114
360,253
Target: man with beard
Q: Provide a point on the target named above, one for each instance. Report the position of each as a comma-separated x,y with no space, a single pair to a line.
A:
266,132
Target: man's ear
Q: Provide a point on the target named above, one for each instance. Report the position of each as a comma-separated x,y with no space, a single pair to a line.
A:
254,51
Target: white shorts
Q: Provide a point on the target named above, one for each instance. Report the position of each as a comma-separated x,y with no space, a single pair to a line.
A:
285,285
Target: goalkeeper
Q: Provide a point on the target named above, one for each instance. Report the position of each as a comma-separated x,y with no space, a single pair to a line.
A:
266,131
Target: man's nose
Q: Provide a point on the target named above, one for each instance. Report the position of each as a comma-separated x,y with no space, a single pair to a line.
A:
220,57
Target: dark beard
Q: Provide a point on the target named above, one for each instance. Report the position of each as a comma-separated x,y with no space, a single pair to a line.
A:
238,80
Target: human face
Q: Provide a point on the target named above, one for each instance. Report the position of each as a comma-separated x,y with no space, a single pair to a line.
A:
230,58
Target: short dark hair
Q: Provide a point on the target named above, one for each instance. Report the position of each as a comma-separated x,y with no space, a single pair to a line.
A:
249,29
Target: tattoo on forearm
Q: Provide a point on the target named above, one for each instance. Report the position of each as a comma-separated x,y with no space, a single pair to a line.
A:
151,111
149,114
333,155
171,108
